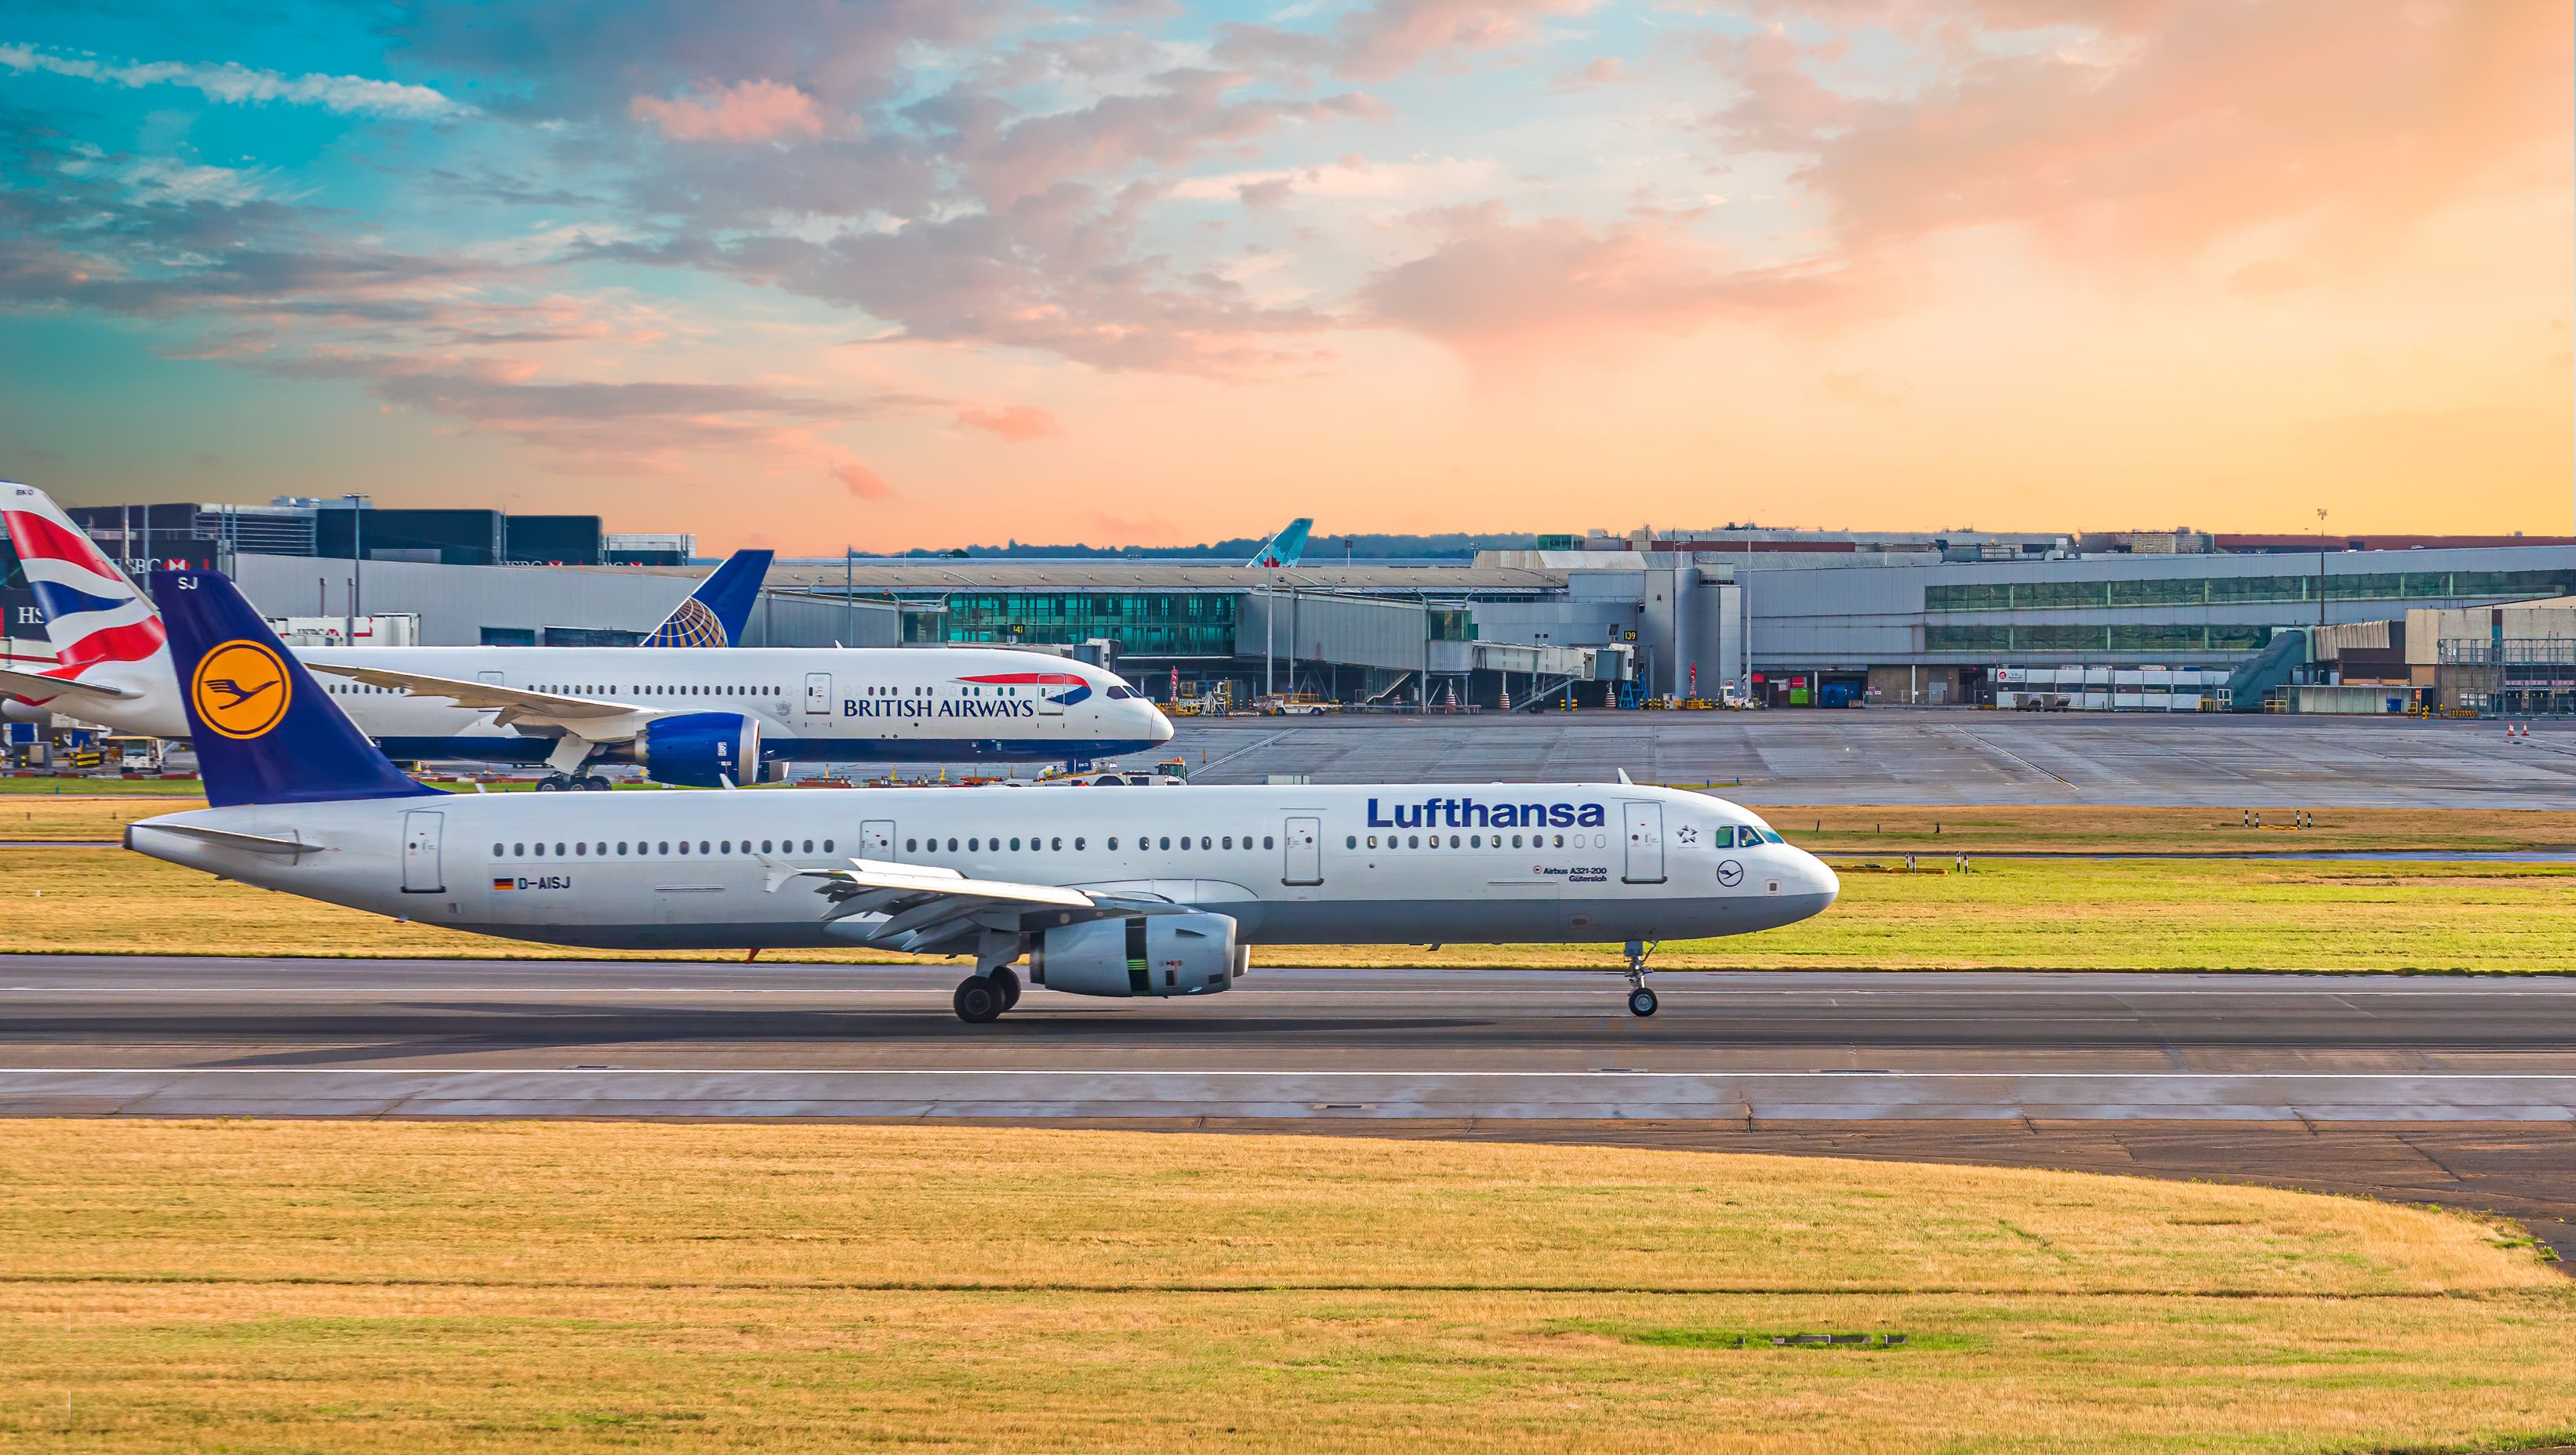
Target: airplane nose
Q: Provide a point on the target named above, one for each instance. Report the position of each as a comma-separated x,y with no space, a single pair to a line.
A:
1159,727
1823,879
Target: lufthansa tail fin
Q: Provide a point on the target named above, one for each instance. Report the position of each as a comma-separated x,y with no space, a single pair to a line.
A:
1285,548
714,614
265,732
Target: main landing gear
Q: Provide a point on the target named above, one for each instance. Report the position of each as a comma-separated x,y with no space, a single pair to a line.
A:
568,783
1641,1001
981,999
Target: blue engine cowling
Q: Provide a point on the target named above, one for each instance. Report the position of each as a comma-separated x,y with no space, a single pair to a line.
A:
701,749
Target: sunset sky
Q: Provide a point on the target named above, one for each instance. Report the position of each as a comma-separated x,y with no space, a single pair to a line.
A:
806,274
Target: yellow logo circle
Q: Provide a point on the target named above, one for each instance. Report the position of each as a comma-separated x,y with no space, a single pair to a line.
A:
240,689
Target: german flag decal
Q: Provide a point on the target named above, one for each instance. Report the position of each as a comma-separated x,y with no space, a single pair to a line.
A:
504,884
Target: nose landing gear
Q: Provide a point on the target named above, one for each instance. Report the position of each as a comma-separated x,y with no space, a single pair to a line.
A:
1641,1001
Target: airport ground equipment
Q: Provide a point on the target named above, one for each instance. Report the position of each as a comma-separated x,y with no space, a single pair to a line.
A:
303,803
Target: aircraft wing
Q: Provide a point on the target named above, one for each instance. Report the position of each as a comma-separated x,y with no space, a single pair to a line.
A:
35,687
586,717
924,906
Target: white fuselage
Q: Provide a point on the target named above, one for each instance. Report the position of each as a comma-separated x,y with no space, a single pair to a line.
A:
840,704
1328,864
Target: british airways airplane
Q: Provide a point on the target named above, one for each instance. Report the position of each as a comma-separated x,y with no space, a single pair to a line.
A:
699,718
1117,894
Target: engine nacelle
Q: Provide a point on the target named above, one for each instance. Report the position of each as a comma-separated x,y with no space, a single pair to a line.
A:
1152,954
700,749
18,709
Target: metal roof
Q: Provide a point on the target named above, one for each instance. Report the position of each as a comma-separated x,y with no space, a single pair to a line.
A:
957,576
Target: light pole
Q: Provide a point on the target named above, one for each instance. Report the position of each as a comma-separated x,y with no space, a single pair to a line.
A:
357,568
2321,567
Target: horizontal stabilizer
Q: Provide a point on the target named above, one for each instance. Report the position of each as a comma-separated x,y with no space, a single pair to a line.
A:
224,839
36,688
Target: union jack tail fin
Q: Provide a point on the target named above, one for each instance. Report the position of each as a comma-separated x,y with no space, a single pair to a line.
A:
92,612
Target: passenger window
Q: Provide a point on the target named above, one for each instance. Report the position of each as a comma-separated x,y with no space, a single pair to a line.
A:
1413,841
1453,841
684,846
809,845
1475,841
1077,846
541,851
910,846
1015,846
952,846
1372,841
581,849
1349,841
496,851
1560,841
974,846
621,848
827,846
519,850
1167,843
1113,843
1265,842
559,851
726,846
665,846
1056,844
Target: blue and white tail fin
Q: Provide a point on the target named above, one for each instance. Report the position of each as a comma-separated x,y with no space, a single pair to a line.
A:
714,614
265,733
1285,548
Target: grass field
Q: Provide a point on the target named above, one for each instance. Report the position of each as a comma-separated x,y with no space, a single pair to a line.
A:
2075,914
274,1286
2048,828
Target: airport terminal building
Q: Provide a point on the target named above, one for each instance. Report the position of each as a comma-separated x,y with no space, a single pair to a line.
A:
1783,618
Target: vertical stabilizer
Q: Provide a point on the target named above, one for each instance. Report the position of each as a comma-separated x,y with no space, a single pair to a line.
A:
715,613
1285,548
92,611
264,731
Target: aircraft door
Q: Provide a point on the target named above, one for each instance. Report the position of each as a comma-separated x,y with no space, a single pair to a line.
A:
1645,825
818,694
420,854
1305,847
1050,693
876,839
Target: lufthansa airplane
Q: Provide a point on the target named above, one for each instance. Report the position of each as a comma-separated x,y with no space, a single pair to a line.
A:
698,718
1117,894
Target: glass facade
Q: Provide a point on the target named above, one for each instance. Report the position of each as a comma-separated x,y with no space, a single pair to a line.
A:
2238,590
2140,637
1142,623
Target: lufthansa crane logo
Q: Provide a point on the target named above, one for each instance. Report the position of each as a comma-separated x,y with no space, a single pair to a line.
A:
240,690
1730,873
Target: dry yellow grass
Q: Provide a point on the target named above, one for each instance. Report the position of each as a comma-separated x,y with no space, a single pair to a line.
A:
2038,914
43,816
517,1286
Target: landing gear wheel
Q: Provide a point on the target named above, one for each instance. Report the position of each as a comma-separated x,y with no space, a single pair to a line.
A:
1641,1002
595,784
978,1000
1008,982
553,783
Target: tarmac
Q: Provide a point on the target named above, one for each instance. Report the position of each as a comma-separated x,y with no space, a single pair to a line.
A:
2430,1088
1920,756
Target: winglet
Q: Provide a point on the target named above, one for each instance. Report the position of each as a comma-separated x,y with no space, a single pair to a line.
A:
265,732
1624,778
715,613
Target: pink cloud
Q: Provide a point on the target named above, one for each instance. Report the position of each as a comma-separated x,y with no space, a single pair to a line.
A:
2177,123
1012,423
1394,36
745,111
862,482
1493,285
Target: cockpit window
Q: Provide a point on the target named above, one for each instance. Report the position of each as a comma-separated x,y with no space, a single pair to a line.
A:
1118,693
1769,837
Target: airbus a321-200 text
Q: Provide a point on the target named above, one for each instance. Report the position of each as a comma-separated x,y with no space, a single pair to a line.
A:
1119,894
697,718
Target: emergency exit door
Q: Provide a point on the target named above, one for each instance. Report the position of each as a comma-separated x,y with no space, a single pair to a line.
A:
420,854
1305,849
1645,825
818,694
876,839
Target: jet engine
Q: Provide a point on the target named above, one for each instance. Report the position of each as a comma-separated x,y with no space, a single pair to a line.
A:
18,709
1154,954
700,749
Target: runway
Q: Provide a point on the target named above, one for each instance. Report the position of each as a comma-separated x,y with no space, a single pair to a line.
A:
1920,756
142,1035
2433,1089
